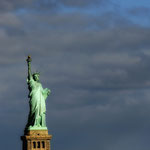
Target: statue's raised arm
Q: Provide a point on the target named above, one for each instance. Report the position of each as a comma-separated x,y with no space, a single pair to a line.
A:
29,67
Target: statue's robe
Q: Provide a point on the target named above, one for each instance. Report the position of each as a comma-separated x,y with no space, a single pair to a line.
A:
37,97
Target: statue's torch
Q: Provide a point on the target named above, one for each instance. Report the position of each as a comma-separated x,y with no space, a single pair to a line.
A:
29,59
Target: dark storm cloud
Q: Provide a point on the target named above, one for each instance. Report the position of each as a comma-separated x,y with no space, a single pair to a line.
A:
68,3
8,5
78,21
81,3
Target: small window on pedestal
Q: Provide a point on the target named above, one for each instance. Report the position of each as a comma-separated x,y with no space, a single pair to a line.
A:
34,144
43,144
38,145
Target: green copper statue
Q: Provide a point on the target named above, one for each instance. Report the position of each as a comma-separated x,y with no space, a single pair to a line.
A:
37,95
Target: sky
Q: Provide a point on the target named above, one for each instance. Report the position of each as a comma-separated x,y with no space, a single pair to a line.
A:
95,58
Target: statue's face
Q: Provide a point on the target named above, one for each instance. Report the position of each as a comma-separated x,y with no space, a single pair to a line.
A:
36,77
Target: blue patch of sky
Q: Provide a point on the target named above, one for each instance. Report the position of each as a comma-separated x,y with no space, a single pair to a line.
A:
132,3
142,21
116,6
21,11
125,5
95,10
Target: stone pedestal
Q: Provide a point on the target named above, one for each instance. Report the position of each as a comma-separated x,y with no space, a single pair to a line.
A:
36,140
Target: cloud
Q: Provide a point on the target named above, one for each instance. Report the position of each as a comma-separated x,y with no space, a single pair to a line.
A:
9,19
9,5
81,3
140,11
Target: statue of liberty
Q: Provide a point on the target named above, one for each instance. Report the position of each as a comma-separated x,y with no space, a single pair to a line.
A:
37,95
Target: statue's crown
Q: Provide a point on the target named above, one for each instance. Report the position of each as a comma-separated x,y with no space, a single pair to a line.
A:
38,73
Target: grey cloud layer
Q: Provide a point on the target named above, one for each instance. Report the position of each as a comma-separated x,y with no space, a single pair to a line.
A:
10,5
80,3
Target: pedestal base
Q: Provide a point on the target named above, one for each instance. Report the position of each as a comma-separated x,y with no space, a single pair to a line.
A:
36,140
